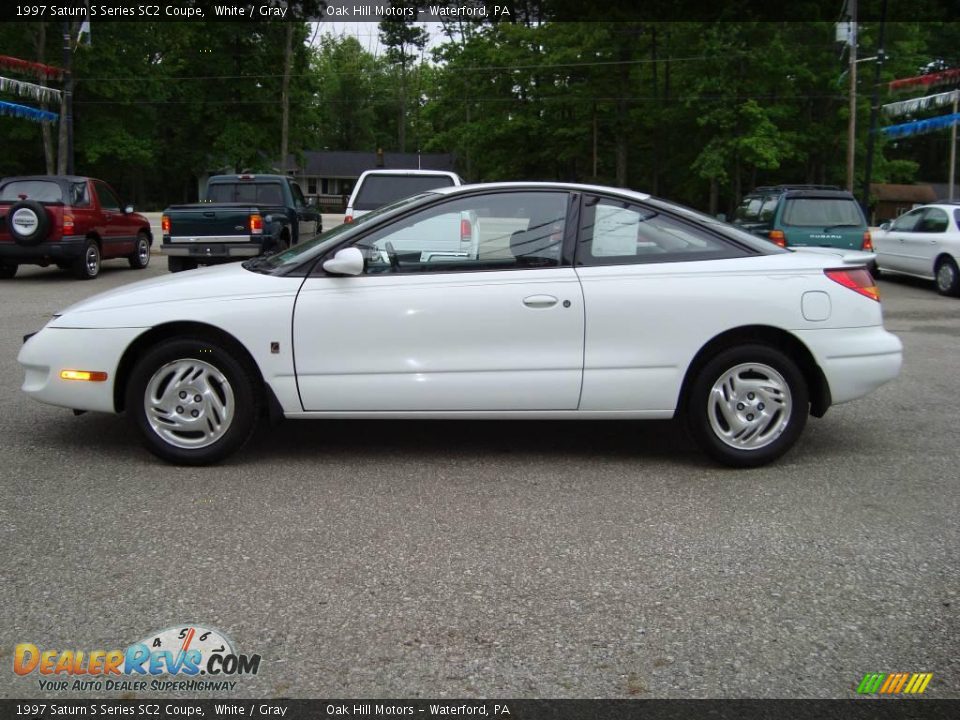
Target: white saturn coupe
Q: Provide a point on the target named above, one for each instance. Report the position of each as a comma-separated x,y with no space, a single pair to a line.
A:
510,300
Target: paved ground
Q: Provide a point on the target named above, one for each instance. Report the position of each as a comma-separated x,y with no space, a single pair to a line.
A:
498,559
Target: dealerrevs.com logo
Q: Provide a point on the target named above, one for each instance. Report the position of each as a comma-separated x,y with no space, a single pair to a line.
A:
186,652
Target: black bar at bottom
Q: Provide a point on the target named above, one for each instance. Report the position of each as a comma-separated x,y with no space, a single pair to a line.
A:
854,709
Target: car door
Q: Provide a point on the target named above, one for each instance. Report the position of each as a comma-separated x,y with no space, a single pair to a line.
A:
115,236
893,246
650,289
437,328
926,245
307,217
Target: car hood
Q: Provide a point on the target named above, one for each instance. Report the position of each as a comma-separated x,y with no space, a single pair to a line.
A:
142,304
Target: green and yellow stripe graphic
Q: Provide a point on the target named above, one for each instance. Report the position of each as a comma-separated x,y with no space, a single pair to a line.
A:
894,683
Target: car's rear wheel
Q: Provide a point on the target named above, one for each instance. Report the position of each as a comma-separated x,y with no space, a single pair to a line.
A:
747,406
179,264
141,253
87,266
8,270
948,279
193,401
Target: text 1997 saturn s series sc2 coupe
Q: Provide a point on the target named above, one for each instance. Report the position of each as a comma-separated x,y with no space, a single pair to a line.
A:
568,302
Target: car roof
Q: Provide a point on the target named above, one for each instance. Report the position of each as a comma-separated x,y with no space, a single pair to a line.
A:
377,171
533,185
48,178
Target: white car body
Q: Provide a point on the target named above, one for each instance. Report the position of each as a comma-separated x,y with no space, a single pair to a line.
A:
923,243
571,342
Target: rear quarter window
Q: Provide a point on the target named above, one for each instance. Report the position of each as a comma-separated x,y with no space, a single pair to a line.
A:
379,190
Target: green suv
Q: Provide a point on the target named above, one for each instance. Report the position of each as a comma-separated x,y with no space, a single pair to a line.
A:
805,215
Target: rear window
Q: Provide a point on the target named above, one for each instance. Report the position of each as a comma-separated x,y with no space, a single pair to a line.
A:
39,190
379,190
823,212
246,192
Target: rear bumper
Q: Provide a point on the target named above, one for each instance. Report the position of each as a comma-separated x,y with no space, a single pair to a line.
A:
66,249
212,250
855,361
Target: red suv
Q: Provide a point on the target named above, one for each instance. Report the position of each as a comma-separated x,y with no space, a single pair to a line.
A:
72,222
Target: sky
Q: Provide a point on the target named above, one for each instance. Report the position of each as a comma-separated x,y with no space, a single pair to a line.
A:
368,33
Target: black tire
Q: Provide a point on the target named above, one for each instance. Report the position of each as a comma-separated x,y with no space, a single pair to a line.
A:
87,266
766,434
874,269
226,413
140,257
947,278
179,264
28,222
8,270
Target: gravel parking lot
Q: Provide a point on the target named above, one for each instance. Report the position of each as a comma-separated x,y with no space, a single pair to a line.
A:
500,559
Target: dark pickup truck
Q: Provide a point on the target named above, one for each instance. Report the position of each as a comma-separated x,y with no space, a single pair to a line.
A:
244,216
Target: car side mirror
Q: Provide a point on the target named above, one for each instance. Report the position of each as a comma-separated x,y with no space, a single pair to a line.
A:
128,209
348,261
885,226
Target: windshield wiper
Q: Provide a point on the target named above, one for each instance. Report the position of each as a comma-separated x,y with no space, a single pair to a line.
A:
839,225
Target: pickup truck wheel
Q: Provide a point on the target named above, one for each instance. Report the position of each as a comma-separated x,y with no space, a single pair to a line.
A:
193,401
179,264
141,254
87,266
28,222
8,270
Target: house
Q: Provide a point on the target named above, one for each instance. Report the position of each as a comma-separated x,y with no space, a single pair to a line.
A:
890,201
330,175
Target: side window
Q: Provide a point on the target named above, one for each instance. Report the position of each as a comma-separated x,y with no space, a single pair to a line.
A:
769,208
298,199
499,231
79,195
908,222
934,221
615,232
108,201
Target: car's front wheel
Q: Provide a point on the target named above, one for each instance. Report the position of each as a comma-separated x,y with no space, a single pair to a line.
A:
193,401
748,405
141,253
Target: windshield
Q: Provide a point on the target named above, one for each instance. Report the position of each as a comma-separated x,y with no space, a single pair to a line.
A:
379,190
322,243
40,190
823,212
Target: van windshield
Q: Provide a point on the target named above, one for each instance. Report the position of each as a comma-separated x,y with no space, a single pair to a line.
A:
379,190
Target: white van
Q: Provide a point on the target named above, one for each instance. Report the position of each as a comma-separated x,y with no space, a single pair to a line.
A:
377,188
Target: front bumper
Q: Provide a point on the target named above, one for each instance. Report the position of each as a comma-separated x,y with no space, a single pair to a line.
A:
46,353
66,249
855,361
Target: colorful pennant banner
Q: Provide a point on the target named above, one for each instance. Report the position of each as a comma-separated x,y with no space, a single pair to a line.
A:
23,111
920,127
30,68
37,92
908,107
938,78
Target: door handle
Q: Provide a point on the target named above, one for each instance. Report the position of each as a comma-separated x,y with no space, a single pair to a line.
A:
540,301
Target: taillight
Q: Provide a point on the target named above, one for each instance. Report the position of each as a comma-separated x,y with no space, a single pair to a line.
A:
777,238
466,230
857,279
347,219
867,242
68,225
256,224
165,224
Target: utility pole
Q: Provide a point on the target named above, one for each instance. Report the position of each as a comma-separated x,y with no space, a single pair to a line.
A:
874,112
852,125
953,147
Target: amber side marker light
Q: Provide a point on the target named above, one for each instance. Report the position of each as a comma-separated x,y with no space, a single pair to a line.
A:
90,375
858,279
